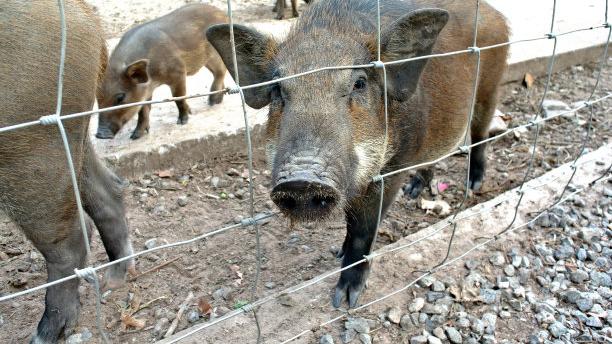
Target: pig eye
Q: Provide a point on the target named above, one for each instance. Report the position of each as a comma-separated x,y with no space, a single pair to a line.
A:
119,98
360,84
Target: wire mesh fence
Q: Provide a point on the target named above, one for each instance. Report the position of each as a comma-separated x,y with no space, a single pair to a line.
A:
252,220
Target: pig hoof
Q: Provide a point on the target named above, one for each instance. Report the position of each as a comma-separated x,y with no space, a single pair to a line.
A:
476,178
138,134
414,188
295,14
212,100
182,120
351,285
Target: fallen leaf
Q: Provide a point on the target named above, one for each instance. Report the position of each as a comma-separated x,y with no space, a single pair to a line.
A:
204,307
165,174
528,80
130,321
437,207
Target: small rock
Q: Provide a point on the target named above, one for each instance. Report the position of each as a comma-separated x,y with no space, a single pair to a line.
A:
579,202
426,281
160,327
489,296
151,243
588,234
594,322
418,340
360,325
581,254
600,279
564,252
347,336
438,286
571,296
453,335
406,323
439,333
394,315
497,259
193,316
601,263
509,270
433,340
545,318
477,326
516,261
462,323
416,305
365,338
489,321
433,296
182,201
326,339
222,293
270,285
553,107
579,276
584,304
214,182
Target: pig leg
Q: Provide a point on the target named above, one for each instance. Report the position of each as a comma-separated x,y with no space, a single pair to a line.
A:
103,200
280,9
217,68
480,131
179,89
62,300
360,229
419,181
142,127
294,8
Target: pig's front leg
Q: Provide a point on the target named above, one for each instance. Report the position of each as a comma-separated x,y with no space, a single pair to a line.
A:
361,218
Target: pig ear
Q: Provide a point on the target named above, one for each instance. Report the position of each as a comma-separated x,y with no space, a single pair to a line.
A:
137,71
254,52
412,35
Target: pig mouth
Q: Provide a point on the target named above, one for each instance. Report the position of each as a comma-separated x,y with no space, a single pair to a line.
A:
305,197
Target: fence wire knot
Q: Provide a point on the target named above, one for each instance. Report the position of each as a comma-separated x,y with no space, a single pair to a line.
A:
249,221
378,64
377,179
474,50
88,274
464,149
247,308
607,25
551,35
234,90
49,119
369,257
588,103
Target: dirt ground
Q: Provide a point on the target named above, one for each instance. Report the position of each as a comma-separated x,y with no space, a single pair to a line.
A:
118,16
182,204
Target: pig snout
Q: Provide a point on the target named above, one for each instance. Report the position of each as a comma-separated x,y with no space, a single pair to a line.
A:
305,195
106,130
305,198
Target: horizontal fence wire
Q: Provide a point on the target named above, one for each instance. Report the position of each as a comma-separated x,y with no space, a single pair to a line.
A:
253,220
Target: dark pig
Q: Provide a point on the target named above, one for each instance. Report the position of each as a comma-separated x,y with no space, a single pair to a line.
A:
35,186
326,130
163,51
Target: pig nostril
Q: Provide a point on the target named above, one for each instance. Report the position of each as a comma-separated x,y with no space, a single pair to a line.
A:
286,202
323,202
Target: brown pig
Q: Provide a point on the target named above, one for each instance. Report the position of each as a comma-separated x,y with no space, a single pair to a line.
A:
35,186
326,134
163,51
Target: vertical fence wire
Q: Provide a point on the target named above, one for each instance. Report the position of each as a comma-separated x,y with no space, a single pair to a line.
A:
56,118
250,168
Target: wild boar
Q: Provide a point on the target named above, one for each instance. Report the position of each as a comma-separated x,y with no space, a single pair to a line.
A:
163,51
326,130
35,186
